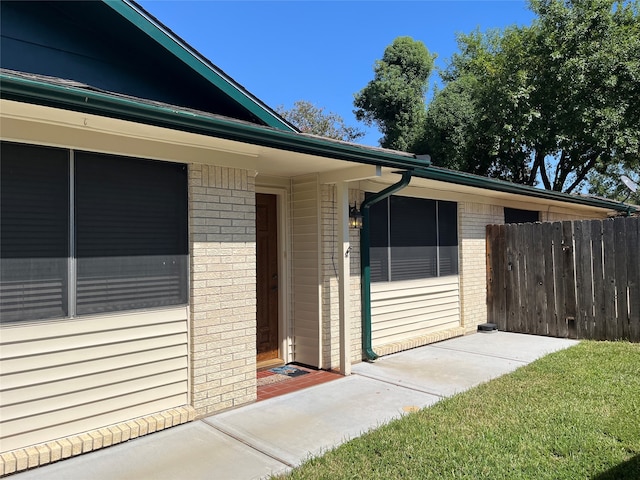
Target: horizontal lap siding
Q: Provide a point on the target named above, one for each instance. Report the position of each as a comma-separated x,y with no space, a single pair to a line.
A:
305,260
404,310
64,378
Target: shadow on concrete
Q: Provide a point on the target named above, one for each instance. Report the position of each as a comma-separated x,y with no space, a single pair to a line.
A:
629,470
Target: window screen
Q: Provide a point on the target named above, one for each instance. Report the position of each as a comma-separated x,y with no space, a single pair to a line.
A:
128,235
515,215
131,233
448,237
412,238
379,240
34,232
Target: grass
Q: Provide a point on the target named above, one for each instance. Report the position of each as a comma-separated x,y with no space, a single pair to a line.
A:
570,415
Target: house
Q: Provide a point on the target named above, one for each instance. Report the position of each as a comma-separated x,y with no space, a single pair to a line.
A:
164,232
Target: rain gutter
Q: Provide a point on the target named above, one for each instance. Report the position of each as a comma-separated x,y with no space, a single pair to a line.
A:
17,88
471,180
365,260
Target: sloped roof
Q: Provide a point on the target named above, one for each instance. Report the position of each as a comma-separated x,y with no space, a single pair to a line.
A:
119,47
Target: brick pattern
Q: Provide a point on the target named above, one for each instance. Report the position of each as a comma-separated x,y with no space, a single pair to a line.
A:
222,287
557,217
472,221
330,285
356,196
419,341
311,379
42,454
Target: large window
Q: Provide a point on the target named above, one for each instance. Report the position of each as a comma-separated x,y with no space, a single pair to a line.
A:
413,238
85,233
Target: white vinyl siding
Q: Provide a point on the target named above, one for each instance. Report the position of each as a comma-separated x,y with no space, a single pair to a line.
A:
62,378
305,261
407,309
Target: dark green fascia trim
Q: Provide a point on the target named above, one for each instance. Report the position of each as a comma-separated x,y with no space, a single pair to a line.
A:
470,180
98,103
136,15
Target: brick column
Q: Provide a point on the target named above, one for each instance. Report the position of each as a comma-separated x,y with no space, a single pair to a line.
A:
222,288
473,219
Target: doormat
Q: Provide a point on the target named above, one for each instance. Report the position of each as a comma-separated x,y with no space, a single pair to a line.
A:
280,374
289,371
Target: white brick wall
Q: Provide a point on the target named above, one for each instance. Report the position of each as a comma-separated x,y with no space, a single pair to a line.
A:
472,221
222,287
557,217
330,286
356,308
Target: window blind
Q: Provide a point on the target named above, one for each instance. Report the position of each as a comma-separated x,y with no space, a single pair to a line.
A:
131,235
34,232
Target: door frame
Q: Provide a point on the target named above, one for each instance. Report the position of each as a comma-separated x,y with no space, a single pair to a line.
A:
285,337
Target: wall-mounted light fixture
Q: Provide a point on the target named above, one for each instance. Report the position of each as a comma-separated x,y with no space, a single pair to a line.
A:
355,217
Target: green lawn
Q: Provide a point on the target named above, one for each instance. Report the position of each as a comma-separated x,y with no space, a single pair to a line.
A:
573,414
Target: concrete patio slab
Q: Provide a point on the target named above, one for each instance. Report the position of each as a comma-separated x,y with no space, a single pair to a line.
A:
514,346
190,451
297,426
436,371
455,365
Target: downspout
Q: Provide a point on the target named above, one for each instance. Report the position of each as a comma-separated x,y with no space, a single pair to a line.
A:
365,268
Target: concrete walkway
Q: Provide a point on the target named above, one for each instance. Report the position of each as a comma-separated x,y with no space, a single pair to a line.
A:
275,435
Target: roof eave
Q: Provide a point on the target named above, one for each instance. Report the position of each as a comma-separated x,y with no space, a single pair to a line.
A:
470,180
100,103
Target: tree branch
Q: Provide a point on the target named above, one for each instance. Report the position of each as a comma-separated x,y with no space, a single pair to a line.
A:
582,173
534,168
561,172
543,170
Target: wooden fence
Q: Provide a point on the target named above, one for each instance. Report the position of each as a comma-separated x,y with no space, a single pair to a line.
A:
577,279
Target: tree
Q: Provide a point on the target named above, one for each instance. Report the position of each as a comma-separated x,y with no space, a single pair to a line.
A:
309,118
553,102
610,185
395,99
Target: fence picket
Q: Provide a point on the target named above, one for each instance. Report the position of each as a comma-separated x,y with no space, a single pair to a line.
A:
512,279
621,277
529,258
584,285
569,279
599,327
633,277
608,253
549,317
558,282
538,287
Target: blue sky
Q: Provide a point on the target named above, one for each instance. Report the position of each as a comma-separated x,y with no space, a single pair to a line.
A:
323,51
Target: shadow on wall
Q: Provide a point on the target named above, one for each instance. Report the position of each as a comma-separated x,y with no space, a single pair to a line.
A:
629,470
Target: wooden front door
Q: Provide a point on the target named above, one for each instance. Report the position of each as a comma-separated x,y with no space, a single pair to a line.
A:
267,276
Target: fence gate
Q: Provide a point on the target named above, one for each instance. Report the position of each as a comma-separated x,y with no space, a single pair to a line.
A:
577,279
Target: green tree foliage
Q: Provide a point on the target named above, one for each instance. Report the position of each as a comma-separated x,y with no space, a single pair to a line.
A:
309,118
556,102
394,99
608,184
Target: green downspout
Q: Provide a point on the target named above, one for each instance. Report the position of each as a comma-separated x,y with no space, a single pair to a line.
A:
365,268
